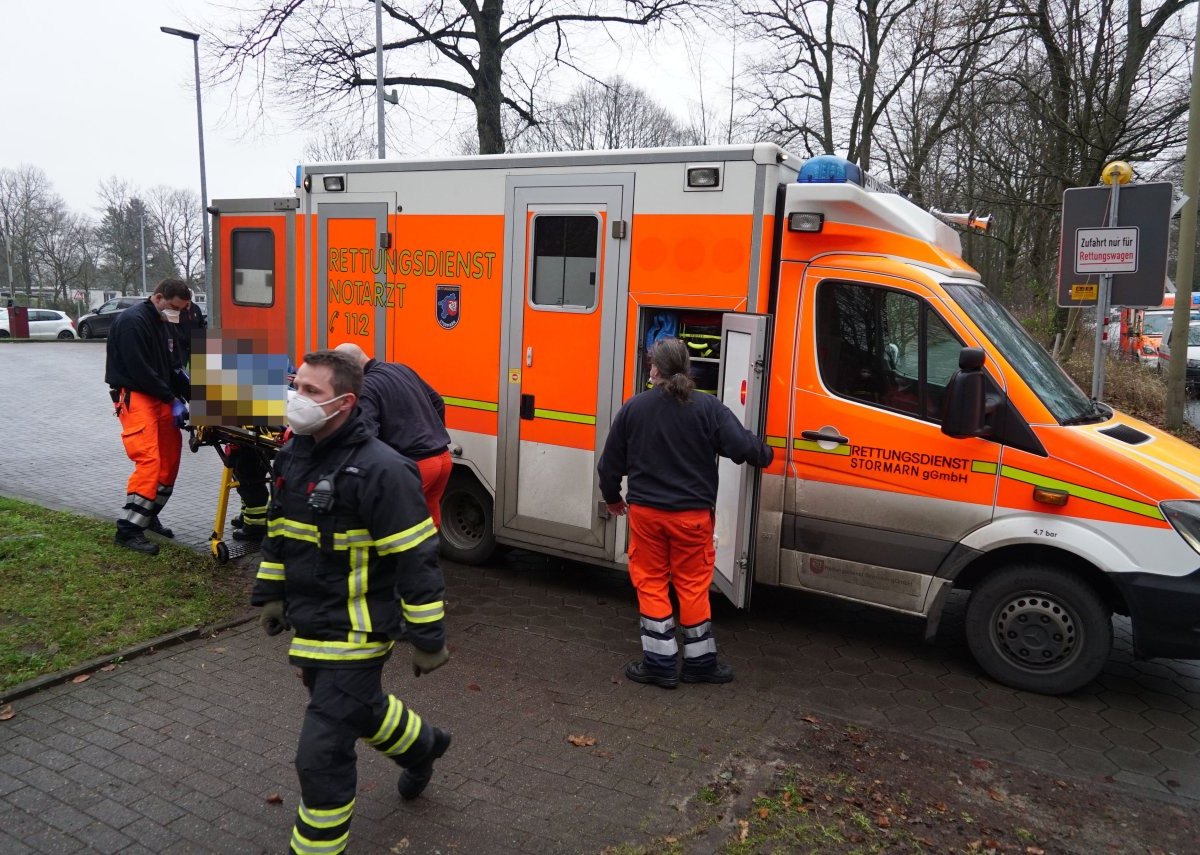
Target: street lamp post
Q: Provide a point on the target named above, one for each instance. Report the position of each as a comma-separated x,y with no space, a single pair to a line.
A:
195,40
8,257
143,221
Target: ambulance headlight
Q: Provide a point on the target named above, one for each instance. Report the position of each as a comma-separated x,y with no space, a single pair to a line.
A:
805,221
1185,518
1148,349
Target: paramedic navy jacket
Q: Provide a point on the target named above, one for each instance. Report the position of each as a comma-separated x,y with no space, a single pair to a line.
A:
405,411
669,450
141,355
348,574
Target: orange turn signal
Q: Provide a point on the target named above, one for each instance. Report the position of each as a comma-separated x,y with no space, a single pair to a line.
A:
1050,497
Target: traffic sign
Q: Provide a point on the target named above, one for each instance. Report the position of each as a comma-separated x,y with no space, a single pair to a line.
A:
1134,251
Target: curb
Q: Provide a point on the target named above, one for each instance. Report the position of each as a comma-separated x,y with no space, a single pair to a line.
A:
153,645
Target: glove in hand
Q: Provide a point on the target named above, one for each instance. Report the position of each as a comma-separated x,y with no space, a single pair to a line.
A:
272,619
179,411
424,662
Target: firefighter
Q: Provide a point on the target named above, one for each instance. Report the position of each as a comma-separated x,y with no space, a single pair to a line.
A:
666,440
149,391
250,467
410,416
350,547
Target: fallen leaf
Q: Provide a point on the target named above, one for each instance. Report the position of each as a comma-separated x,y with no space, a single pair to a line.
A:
400,846
763,813
473,687
6,712
109,667
903,756
1062,785
811,719
607,755
883,822
981,764
82,678
1033,850
940,807
218,650
991,845
996,795
582,741
671,841
274,799
744,831
787,796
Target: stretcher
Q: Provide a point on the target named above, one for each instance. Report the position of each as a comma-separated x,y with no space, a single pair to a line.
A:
265,440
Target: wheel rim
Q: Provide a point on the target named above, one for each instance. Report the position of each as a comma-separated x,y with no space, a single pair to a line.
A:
462,521
85,331
65,334
1036,631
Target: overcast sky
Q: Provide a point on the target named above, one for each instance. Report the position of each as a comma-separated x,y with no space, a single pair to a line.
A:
91,89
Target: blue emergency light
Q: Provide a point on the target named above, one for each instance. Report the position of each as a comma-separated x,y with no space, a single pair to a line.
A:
299,174
829,169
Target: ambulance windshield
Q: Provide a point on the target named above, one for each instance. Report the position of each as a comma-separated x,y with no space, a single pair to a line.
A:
1065,400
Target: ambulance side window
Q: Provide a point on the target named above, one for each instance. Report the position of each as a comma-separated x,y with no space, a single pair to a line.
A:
884,347
252,253
565,261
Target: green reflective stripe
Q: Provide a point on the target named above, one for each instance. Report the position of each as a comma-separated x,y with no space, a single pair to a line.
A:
810,445
296,530
356,583
351,538
271,571
345,651
326,818
983,467
407,539
560,416
304,846
776,442
411,732
470,404
390,721
1101,498
427,613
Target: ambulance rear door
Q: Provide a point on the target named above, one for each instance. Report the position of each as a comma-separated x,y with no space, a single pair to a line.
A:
741,387
254,283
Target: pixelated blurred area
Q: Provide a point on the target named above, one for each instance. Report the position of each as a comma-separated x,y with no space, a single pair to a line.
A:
236,382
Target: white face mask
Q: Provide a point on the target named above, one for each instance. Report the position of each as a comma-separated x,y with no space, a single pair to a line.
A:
171,316
306,416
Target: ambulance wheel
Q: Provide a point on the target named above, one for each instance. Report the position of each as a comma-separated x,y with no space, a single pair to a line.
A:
1039,629
221,553
466,533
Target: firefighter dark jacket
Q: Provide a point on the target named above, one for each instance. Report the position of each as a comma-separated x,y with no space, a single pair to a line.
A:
406,412
348,574
142,355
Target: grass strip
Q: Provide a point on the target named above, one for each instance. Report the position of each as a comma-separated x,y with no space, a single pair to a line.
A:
70,594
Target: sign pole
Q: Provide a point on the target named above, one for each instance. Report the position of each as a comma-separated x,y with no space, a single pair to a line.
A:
1102,302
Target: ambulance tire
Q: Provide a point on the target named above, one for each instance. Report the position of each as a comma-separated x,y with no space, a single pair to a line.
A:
467,534
1039,629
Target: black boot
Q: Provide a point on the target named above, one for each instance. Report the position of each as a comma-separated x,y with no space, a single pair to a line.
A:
158,528
250,533
132,537
415,778
718,672
639,672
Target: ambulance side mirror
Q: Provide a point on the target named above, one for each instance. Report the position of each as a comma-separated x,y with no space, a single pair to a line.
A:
965,405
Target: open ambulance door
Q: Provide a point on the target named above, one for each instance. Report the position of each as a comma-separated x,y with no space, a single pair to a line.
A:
255,271
742,386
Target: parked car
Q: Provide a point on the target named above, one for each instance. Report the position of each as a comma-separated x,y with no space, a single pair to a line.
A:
1193,355
43,323
97,324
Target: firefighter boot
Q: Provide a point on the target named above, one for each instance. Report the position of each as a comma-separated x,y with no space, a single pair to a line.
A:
640,672
718,672
415,778
251,533
158,528
132,537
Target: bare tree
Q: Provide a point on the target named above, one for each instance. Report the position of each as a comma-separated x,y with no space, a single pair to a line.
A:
320,53
337,142
61,250
173,224
26,204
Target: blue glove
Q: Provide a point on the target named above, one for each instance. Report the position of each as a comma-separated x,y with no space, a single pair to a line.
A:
180,413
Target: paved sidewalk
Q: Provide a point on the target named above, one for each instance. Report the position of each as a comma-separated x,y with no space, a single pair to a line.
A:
179,751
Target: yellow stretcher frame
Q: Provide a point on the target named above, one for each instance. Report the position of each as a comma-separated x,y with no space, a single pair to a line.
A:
265,439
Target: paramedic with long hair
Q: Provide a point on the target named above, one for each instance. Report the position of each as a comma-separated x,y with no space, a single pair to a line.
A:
667,440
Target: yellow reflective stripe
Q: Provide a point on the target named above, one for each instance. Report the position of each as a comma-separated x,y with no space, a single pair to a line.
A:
983,467
307,648
326,818
562,416
470,404
390,721
1087,493
427,613
811,445
283,527
271,571
356,583
304,846
410,736
351,538
776,442
406,539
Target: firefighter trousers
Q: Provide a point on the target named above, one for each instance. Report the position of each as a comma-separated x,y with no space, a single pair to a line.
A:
345,705
153,443
251,469
673,549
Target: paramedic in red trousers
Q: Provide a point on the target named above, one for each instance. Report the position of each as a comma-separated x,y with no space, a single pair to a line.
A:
667,440
410,416
149,390
350,547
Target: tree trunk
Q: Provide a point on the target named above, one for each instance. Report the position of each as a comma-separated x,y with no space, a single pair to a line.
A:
488,92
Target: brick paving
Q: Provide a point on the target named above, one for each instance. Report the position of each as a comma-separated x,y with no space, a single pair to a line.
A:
178,751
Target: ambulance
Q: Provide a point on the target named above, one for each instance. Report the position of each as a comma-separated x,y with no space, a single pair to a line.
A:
924,442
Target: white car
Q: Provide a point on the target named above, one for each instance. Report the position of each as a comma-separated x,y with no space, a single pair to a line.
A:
43,323
1192,382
